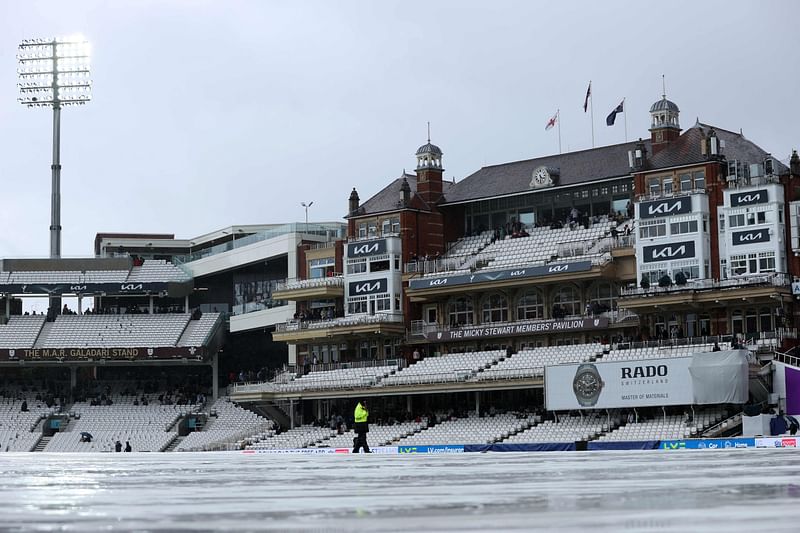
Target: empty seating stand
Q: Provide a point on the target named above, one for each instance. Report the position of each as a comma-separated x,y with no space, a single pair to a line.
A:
115,331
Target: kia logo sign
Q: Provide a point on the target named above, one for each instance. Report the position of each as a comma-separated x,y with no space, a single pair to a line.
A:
130,287
750,237
372,286
749,198
437,282
663,208
357,249
557,268
668,252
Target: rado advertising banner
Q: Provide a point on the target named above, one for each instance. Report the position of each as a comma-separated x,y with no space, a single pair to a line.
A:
760,196
57,289
750,237
665,208
499,275
668,252
369,286
544,326
108,354
704,378
359,249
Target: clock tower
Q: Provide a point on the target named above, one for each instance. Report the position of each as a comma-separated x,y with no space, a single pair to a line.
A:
664,127
429,173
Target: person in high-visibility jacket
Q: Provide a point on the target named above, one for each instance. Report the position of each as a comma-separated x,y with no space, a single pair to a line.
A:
361,427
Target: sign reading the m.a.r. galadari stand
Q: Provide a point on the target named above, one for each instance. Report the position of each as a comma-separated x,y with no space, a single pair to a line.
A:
703,378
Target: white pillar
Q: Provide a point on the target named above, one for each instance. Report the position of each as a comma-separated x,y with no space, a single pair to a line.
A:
80,305
291,413
151,304
408,404
477,402
186,304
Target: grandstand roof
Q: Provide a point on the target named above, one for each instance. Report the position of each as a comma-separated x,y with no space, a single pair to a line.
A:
686,149
573,168
388,199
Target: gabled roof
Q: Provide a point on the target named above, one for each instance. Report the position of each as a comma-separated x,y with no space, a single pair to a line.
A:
388,198
573,168
686,149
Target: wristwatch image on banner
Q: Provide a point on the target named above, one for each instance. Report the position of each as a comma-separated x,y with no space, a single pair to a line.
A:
587,385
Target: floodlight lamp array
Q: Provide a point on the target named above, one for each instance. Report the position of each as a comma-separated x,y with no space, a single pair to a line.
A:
54,72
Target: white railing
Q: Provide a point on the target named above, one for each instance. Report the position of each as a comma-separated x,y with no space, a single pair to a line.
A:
298,325
336,280
774,279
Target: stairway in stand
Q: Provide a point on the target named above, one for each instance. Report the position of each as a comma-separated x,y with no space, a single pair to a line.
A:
40,446
174,444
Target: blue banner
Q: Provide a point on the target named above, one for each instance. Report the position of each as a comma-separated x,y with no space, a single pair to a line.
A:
444,448
623,445
527,447
707,444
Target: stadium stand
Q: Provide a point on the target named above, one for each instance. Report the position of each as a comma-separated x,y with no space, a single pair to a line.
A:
445,368
227,425
566,429
18,428
470,430
669,427
342,378
21,331
115,330
531,362
149,428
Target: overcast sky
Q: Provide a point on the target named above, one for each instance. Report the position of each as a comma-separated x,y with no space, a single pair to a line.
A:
207,114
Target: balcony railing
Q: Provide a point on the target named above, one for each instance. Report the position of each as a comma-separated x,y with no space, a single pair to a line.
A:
346,321
335,280
419,327
774,279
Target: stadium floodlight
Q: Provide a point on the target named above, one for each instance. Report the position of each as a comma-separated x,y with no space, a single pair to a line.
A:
306,206
54,73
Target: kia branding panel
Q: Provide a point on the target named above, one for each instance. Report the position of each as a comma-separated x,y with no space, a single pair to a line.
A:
665,208
750,237
370,286
668,252
760,196
360,249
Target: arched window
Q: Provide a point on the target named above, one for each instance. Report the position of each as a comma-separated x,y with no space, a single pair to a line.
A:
495,308
460,311
566,301
602,297
530,305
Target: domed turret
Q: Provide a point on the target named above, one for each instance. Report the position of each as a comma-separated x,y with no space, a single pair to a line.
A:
429,156
664,126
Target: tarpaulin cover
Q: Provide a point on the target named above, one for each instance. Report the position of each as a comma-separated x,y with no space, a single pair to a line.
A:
624,445
720,377
528,447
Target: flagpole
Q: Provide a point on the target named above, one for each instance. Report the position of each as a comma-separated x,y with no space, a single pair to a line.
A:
591,115
558,121
625,116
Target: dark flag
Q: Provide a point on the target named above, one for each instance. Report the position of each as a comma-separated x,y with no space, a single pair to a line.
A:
588,94
613,115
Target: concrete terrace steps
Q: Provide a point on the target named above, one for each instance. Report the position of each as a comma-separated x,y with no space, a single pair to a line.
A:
41,444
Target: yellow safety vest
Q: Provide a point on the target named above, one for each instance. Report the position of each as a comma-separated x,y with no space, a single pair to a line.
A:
361,413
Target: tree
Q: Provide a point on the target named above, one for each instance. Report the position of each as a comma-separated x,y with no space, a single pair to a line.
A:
664,281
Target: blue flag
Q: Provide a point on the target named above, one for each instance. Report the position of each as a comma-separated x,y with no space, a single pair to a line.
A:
612,117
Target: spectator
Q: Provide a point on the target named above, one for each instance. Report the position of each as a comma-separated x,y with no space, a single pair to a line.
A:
118,446
716,347
128,446
24,407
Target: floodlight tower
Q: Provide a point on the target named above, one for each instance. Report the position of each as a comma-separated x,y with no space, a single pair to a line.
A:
54,73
